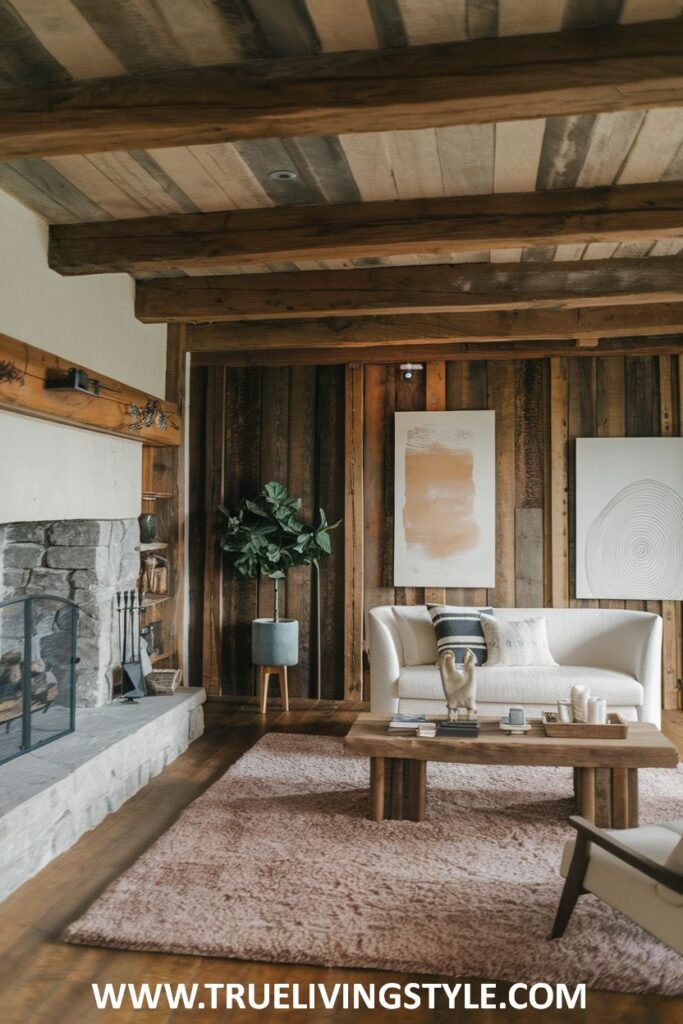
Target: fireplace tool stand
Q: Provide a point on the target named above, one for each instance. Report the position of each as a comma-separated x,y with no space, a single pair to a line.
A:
129,610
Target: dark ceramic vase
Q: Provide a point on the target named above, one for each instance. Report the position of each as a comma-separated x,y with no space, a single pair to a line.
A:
148,527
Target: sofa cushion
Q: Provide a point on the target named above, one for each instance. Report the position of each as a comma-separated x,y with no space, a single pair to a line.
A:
528,685
459,629
416,631
514,642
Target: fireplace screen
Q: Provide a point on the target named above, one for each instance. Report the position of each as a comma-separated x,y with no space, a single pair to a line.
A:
37,672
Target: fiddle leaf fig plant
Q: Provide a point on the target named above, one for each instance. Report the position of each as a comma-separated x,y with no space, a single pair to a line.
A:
264,536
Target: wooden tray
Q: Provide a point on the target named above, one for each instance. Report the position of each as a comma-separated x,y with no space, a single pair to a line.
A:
615,729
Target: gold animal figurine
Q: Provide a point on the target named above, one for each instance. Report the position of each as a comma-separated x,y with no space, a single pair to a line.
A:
459,684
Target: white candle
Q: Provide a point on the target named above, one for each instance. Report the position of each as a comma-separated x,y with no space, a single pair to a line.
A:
579,697
593,711
564,711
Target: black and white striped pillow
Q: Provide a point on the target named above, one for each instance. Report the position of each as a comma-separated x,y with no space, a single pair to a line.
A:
458,629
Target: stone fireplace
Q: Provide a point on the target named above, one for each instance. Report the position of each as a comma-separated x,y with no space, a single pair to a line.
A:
86,561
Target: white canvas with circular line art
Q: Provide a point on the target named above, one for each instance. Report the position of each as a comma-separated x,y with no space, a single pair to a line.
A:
629,518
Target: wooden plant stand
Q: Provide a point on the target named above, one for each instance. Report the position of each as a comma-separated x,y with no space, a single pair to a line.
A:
265,672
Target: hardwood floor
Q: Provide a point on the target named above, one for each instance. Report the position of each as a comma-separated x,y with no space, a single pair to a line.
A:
45,981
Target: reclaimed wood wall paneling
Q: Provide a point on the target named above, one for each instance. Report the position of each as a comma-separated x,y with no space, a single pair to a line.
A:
542,406
248,426
353,533
330,494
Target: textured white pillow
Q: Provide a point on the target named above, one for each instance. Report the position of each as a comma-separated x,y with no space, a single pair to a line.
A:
516,642
417,634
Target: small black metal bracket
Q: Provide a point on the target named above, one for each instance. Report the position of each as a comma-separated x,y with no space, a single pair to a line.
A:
73,380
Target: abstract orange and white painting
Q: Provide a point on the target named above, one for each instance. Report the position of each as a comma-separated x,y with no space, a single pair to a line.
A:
445,499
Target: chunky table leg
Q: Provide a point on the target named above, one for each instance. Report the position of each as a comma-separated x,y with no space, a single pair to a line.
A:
417,790
620,798
587,793
397,766
603,797
633,811
377,778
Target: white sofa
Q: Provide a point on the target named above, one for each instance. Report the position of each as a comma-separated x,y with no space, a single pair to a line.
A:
616,653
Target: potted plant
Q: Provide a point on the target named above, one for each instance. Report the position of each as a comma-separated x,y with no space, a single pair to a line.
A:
266,537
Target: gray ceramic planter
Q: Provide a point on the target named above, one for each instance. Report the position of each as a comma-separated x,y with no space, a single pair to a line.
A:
275,643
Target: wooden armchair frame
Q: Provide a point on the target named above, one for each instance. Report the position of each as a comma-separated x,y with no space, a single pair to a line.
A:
587,834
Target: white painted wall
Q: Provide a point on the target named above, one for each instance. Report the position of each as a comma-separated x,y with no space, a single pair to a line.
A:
53,471
88,319
49,471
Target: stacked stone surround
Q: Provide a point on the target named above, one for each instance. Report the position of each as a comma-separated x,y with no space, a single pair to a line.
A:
86,561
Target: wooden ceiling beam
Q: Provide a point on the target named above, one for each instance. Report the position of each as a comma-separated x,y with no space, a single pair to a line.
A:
346,334
623,67
423,289
447,351
409,227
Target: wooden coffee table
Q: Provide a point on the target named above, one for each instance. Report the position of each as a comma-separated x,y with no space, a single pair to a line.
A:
605,771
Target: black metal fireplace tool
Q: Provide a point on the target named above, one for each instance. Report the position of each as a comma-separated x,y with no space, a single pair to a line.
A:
129,609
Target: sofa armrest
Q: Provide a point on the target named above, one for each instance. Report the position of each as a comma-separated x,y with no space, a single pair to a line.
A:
648,671
384,668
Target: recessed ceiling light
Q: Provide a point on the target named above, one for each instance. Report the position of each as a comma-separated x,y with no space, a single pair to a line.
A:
282,175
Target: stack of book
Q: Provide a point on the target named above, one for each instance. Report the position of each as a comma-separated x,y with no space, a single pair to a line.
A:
406,725
462,729
420,725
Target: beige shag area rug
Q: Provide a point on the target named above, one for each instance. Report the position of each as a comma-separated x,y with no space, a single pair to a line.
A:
277,861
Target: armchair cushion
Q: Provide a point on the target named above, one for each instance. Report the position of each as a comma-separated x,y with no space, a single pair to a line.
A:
637,894
653,906
675,859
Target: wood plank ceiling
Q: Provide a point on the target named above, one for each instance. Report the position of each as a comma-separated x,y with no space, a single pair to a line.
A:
590,176
51,44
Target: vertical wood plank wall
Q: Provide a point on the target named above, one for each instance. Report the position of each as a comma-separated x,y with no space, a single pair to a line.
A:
353,533
542,406
247,427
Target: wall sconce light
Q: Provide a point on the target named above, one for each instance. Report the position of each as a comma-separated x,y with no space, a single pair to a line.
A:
408,369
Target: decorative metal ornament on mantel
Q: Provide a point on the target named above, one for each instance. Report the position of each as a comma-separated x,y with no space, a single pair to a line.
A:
149,415
9,374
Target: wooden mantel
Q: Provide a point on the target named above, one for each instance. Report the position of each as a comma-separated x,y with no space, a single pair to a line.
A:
24,370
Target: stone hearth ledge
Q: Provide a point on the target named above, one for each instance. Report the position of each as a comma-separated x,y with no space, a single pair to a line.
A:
51,796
